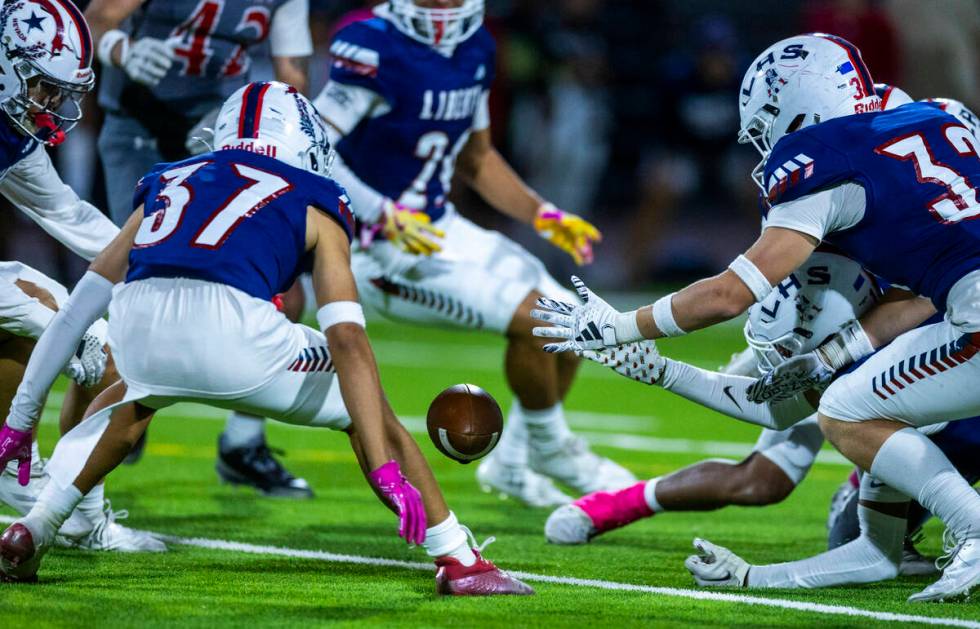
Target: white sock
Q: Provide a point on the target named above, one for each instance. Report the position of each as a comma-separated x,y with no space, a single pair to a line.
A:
242,429
449,539
650,495
546,428
512,447
52,508
874,556
911,463
92,505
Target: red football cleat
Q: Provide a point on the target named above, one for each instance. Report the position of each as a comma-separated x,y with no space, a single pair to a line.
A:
481,579
19,560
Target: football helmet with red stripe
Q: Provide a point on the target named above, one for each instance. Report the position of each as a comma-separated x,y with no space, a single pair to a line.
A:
439,22
45,66
798,82
274,119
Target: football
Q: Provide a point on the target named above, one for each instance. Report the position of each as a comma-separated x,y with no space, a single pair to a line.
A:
464,422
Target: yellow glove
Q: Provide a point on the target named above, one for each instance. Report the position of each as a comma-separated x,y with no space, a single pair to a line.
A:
408,229
571,233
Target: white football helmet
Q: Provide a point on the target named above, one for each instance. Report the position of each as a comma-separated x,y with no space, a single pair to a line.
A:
961,111
435,26
891,96
798,82
274,119
45,66
813,303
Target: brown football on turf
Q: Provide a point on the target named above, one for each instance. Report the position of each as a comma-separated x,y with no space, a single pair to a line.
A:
464,422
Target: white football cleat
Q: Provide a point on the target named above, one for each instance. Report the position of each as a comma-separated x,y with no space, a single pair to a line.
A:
961,574
568,524
575,465
108,535
518,481
22,499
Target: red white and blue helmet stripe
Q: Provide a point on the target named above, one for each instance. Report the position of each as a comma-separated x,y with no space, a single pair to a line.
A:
854,55
250,116
84,35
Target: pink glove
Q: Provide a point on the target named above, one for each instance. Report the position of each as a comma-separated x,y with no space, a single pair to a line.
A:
393,485
16,445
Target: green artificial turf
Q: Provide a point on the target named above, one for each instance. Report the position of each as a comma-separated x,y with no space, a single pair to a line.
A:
174,490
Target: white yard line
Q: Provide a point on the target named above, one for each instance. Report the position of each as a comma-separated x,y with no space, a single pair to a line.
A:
703,595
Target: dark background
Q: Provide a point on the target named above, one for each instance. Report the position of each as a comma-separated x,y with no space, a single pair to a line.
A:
625,111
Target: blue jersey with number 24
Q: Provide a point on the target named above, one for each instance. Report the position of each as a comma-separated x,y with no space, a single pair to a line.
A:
231,217
920,170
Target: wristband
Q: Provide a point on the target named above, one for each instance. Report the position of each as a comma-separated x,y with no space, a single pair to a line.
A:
340,312
663,317
750,274
847,346
108,42
626,328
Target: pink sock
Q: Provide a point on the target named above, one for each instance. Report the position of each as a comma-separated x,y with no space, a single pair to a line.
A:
855,479
611,510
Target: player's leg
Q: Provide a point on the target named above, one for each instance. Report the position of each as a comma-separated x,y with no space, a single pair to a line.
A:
926,376
244,457
779,463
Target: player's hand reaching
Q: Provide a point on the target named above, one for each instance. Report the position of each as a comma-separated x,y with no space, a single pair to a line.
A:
408,229
88,364
592,325
147,60
799,373
15,445
571,233
404,497
640,361
716,566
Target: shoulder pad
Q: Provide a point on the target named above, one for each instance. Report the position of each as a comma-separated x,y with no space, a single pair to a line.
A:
802,163
330,198
357,51
145,183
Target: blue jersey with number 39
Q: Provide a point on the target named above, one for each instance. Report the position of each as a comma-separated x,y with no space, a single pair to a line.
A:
231,217
407,149
920,169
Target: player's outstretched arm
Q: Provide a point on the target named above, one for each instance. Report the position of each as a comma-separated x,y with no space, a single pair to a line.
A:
54,348
595,324
486,171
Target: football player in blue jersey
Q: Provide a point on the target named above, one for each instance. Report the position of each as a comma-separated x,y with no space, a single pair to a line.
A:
211,240
407,103
167,67
45,71
894,190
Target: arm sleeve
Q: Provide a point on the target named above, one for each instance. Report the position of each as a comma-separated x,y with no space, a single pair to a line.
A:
34,187
290,31
54,349
725,393
21,314
822,212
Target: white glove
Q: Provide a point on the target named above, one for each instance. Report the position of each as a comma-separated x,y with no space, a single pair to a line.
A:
716,566
591,325
799,373
147,60
640,361
88,364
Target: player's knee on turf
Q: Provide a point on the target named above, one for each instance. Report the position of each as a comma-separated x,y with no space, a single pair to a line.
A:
758,482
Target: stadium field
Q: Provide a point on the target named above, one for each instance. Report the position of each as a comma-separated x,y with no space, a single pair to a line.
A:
240,560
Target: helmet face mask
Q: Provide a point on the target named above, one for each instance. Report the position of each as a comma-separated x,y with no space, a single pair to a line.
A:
46,109
437,26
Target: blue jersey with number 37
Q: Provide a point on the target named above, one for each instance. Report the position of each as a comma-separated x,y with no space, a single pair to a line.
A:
407,149
231,217
920,169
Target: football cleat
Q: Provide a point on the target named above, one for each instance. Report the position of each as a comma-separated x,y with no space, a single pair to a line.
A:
20,557
109,535
481,579
575,465
716,566
254,465
914,564
518,481
596,513
961,572
22,499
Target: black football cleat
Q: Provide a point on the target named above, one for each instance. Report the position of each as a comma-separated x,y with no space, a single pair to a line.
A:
254,465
